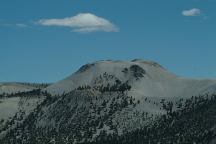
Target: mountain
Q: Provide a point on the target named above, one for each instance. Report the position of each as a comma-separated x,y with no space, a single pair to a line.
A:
113,102
146,78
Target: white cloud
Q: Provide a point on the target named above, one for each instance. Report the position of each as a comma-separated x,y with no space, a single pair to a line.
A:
191,12
83,22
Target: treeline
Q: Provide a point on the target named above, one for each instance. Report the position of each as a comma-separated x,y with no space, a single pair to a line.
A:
37,85
35,92
118,86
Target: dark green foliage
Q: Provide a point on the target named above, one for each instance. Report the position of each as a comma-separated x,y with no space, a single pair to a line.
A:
79,115
83,87
138,72
191,124
77,122
35,92
117,87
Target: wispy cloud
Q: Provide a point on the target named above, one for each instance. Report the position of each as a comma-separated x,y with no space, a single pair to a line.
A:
191,12
83,22
21,25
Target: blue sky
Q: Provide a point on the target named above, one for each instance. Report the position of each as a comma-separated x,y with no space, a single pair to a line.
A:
47,40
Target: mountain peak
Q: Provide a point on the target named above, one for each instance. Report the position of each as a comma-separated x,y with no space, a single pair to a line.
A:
118,63
108,71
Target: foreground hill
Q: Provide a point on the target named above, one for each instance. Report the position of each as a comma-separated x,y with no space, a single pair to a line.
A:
17,100
116,102
16,87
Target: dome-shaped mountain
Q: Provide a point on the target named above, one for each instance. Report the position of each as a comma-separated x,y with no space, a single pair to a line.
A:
145,78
